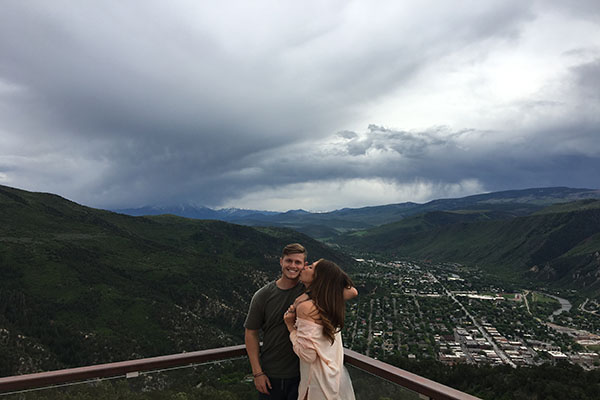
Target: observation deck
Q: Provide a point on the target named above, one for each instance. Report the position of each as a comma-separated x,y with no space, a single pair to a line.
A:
372,379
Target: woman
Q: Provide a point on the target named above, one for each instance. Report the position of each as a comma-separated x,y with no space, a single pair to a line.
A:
315,321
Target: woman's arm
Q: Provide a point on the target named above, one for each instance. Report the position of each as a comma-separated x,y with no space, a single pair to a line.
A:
302,338
308,310
350,293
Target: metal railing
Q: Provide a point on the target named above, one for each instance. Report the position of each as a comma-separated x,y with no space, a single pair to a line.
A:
122,368
426,388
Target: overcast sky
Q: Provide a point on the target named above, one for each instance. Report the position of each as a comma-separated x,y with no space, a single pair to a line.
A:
279,105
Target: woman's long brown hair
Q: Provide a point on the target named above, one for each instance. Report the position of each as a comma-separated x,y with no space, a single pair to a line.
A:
327,292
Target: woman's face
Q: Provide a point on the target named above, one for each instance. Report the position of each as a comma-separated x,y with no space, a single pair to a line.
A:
308,274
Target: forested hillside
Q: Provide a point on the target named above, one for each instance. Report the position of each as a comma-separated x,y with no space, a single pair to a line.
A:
558,245
82,286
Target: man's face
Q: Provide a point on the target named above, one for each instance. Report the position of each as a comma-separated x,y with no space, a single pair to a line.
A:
292,265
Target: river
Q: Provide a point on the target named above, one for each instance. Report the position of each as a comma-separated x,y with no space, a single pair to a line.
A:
565,305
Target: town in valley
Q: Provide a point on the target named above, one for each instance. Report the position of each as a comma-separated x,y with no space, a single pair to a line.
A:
454,314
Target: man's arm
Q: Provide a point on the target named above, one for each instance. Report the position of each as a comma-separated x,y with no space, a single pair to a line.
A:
261,381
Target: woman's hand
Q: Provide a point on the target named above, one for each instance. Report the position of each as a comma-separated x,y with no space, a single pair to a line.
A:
289,317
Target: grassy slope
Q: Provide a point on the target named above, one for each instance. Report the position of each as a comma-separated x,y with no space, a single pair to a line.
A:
81,286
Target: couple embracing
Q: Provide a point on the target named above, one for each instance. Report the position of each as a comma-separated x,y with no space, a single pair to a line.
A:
300,316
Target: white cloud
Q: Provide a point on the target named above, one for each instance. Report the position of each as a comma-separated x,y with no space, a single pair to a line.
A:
472,86
327,195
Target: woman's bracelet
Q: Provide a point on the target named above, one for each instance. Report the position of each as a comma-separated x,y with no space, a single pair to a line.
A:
258,374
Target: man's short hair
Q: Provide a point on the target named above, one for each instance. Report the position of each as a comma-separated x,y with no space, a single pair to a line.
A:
294,248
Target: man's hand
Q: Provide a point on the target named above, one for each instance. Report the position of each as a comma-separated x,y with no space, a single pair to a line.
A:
262,384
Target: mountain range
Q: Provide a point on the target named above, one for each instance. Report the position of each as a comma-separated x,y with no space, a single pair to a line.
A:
192,210
327,225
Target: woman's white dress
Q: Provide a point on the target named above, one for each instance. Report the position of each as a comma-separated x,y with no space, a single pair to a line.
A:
322,372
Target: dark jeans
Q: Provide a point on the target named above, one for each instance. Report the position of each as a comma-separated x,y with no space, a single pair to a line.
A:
283,389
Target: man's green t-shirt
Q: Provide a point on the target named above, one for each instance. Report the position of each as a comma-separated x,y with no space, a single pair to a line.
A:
268,304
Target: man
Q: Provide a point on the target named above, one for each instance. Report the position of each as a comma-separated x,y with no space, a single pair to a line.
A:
275,368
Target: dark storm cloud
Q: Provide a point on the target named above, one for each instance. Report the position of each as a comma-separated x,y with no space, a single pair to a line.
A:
587,9
161,104
587,79
119,104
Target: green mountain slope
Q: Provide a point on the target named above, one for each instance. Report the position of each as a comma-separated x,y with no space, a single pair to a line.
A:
81,286
560,245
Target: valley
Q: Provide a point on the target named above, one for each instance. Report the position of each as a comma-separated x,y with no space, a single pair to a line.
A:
455,314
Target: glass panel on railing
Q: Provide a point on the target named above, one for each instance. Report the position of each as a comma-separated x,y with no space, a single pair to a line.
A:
371,387
227,379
